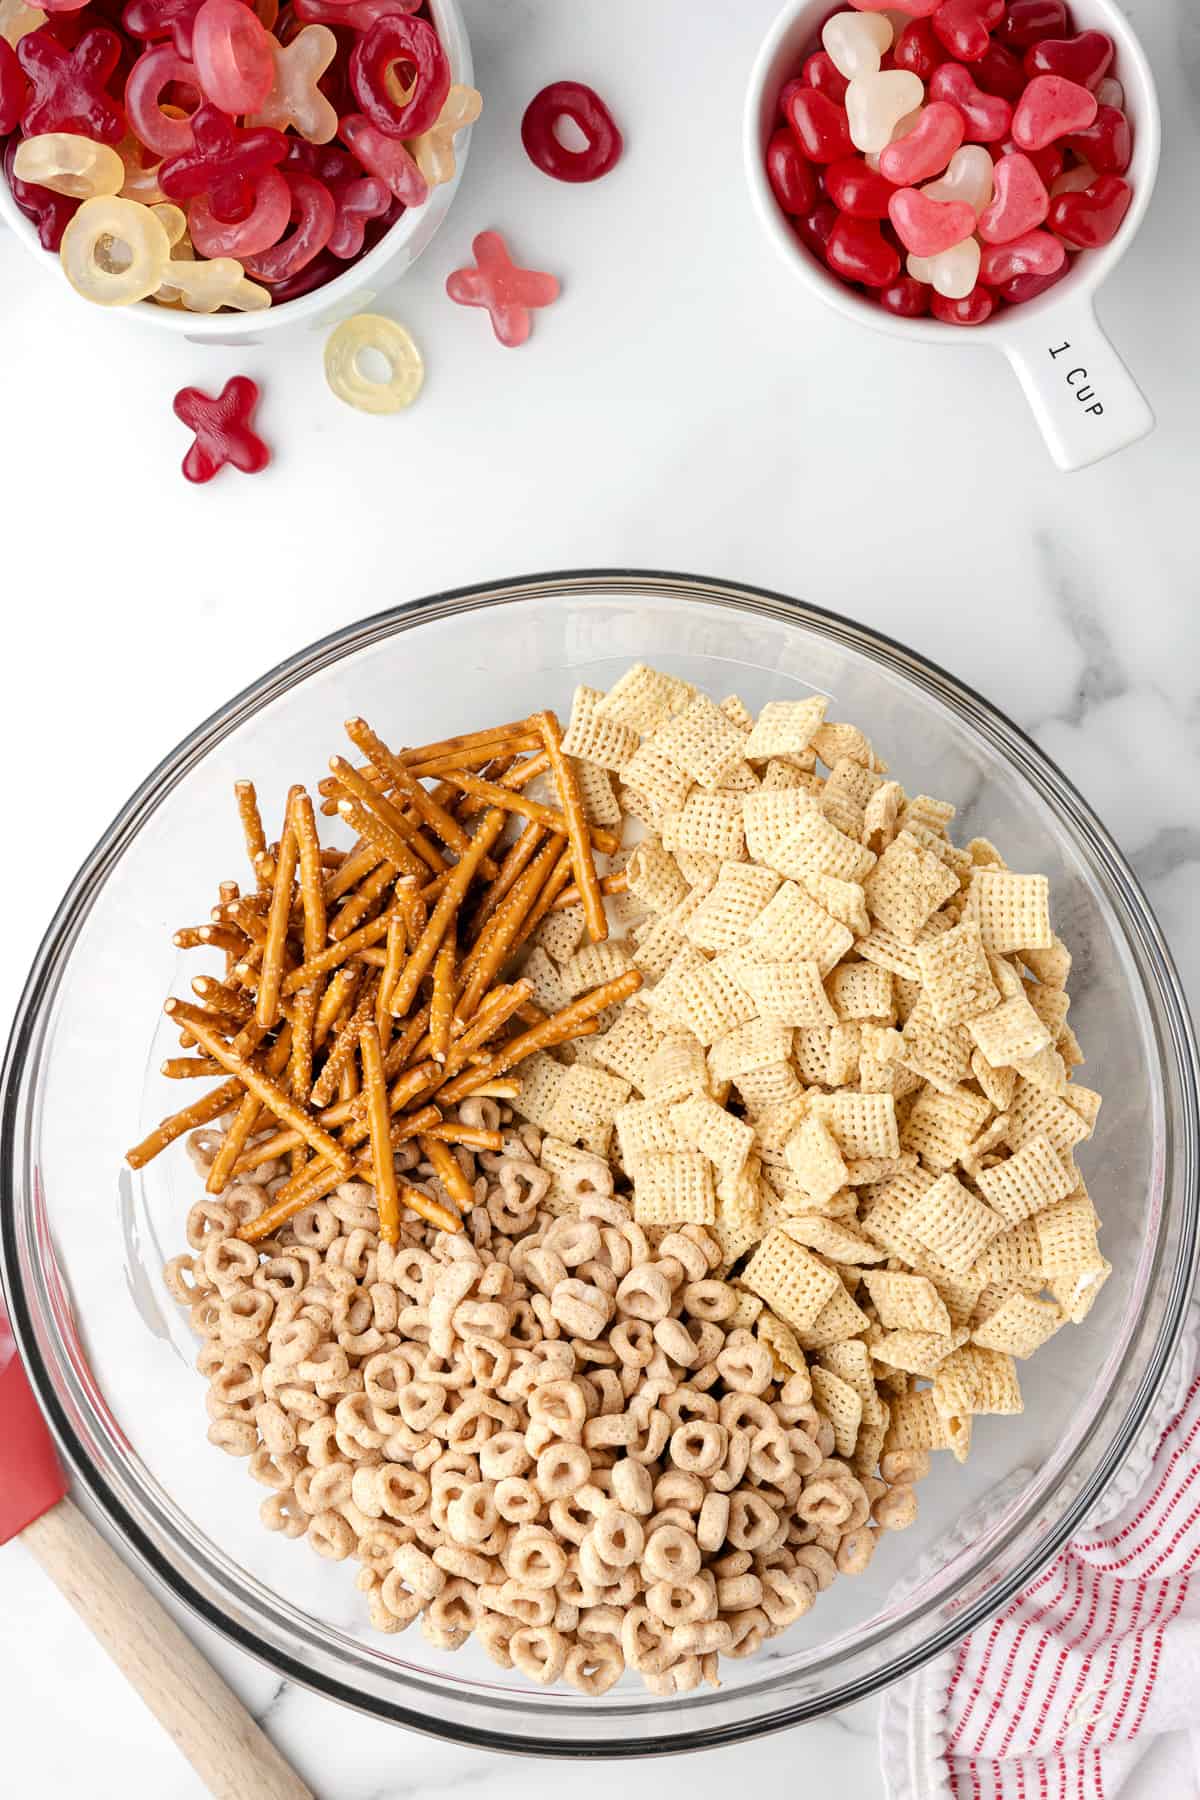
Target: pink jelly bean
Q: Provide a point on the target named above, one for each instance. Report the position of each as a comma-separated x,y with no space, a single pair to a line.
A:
385,157
1019,203
856,188
793,179
821,127
313,214
232,54
1092,218
1085,58
927,148
822,73
917,50
263,226
1107,143
1049,162
972,309
858,251
988,117
1051,107
1000,72
905,298
1037,253
964,26
1027,21
927,227
155,70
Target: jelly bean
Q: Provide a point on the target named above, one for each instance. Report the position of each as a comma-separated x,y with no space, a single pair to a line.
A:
114,251
1027,21
155,70
1051,107
875,105
1020,204
821,127
433,150
1000,72
588,113
988,117
822,73
1085,58
973,309
970,177
917,50
13,89
858,251
49,212
17,19
1107,143
70,165
414,45
816,228
153,20
906,298
855,42
1073,180
263,226
222,162
953,273
295,99
509,293
1028,287
1111,93
313,215
69,85
1049,161
793,179
964,26
356,203
927,227
224,430
1093,217
1036,253
912,9
232,55
856,189
927,148
205,287
383,155
385,339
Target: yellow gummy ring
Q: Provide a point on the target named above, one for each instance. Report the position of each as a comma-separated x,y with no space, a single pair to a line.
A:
343,372
114,251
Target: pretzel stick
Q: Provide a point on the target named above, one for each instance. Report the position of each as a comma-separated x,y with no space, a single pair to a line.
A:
407,1047
312,898
515,778
251,821
243,915
210,937
221,999
609,884
359,863
335,1001
517,859
441,1012
581,844
335,954
477,741
448,1171
381,834
342,1048
558,880
242,1128
201,1112
266,1006
476,1137
495,1013
374,804
547,816
406,1127
500,934
387,1198
397,938
449,901
182,1068
365,897
557,1029
439,819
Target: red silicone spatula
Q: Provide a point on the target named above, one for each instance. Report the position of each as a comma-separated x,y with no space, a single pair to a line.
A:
208,1722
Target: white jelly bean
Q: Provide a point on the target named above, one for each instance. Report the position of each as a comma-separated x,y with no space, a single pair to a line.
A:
875,105
968,177
856,42
953,273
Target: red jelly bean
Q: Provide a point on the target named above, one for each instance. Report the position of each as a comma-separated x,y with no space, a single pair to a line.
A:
964,26
68,86
1107,143
14,89
1028,21
858,251
1019,203
988,117
357,203
1092,218
927,148
263,225
977,306
821,127
1051,107
917,50
1085,58
385,156
313,214
584,107
856,188
224,430
793,180
154,71
1049,162
815,230
153,20
415,46
50,212
822,73
1000,72
906,298
508,293
232,56
225,164
1037,253
927,227
1027,287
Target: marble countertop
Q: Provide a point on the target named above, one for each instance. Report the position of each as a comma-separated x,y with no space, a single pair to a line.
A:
686,405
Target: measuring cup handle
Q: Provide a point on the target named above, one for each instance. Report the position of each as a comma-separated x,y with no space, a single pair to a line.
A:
1083,397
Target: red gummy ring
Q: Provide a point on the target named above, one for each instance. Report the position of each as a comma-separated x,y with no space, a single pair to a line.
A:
398,39
571,99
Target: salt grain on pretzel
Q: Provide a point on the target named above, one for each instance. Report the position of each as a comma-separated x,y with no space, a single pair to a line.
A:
266,1006
577,826
449,901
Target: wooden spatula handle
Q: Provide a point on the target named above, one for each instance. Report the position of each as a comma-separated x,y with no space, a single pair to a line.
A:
186,1695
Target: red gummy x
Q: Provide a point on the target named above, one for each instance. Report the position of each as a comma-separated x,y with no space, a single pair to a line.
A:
223,429
508,292
153,20
69,85
224,161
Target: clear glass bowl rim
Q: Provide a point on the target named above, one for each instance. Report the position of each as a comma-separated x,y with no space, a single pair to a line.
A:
474,1723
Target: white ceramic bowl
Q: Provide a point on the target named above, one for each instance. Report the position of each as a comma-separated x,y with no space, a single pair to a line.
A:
1085,400
345,294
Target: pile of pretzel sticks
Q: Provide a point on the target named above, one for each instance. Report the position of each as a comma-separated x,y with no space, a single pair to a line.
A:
363,991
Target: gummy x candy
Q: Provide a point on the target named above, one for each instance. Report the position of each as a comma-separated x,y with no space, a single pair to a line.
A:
69,85
356,202
584,107
263,225
295,98
508,292
433,150
223,429
400,43
383,155
232,54
153,20
351,383
223,162
114,251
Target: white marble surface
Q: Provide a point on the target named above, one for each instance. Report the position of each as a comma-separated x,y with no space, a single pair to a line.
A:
684,406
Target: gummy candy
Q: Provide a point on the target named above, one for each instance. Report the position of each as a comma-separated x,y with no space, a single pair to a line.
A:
410,43
1027,21
351,383
70,165
964,26
1092,217
313,214
173,220
17,18
152,20
508,292
222,162
953,273
822,73
205,287
91,239
918,50
322,269
875,105
295,99
858,251
970,177
1020,204
50,212
383,155
1085,58
793,179
1028,287
927,227
13,89
263,225
1051,107
223,428
232,56
820,124
584,107
1049,161
1107,143
155,70
987,117
971,309
433,150
854,188
1036,253
69,85
855,42
927,148
1000,72
359,15
356,202
906,298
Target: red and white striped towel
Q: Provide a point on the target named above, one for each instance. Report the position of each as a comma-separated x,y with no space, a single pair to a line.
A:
1087,1687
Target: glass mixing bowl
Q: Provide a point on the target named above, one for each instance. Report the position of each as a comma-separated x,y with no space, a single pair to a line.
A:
84,1239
